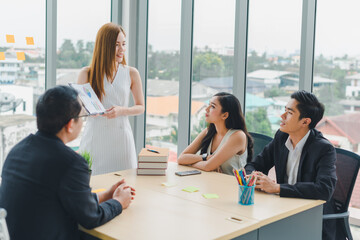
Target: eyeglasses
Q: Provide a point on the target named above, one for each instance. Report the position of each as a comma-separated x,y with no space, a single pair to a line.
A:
82,116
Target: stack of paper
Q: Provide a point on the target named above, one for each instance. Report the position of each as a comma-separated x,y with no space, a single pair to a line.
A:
153,161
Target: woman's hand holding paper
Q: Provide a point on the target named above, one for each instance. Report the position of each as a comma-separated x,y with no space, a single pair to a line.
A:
114,112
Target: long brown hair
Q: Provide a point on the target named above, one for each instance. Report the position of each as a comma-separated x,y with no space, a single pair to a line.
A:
103,61
229,103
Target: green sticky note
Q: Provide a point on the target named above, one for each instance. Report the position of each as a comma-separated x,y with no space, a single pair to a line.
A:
210,195
190,189
167,184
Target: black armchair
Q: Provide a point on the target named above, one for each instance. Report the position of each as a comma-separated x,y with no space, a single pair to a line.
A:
347,167
260,141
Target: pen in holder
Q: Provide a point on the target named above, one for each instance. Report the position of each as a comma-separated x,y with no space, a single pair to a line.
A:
246,187
246,194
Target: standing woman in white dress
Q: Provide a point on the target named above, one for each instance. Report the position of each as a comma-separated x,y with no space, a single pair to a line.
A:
109,137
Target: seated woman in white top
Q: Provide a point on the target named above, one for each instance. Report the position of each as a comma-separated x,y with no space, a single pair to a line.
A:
225,144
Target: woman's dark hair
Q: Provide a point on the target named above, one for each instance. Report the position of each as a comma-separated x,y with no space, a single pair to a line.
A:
229,103
309,107
55,108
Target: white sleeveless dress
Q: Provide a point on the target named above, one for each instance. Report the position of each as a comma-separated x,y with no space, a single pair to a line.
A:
111,141
236,161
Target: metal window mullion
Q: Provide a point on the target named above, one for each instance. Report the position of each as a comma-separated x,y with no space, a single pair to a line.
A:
307,45
50,43
185,75
240,50
116,11
138,19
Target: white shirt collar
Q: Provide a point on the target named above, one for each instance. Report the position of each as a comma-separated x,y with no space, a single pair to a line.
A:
300,144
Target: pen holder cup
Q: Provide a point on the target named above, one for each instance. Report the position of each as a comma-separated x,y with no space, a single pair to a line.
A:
246,195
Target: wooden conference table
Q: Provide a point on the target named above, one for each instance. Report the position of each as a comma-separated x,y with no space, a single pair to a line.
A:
161,212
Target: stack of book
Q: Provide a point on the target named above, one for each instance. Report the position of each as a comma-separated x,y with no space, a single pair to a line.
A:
153,161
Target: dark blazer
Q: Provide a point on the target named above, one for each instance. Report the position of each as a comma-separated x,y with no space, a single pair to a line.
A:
316,177
45,190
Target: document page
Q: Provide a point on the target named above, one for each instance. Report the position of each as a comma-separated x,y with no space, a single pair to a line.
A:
89,99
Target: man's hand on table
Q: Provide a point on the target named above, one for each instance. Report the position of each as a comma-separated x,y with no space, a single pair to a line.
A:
266,184
120,192
124,194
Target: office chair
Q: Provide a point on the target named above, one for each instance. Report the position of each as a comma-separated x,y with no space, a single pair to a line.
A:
260,141
347,168
4,234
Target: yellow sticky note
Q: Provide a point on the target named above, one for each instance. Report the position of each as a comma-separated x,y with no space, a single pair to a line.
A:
29,40
190,189
20,56
210,195
10,39
98,190
166,184
2,56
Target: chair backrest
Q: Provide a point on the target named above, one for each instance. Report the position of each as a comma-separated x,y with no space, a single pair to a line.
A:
260,141
347,168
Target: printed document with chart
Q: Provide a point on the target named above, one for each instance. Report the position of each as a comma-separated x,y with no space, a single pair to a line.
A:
89,99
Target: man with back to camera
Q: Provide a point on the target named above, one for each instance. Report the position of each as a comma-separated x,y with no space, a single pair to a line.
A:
45,184
304,160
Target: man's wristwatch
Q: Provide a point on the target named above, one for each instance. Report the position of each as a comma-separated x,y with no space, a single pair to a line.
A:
204,156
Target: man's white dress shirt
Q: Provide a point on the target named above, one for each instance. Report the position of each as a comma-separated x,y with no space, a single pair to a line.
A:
292,166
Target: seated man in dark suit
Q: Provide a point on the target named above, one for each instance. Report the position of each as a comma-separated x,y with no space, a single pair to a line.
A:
45,184
304,160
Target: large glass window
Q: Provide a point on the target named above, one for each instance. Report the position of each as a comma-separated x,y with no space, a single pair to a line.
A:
213,56
76,33
77,24
22,69
273,61
337,75
162,103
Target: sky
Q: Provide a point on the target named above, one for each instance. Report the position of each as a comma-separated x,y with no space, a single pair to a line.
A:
274,25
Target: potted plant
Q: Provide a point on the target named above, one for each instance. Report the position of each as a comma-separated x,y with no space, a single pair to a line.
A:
88,158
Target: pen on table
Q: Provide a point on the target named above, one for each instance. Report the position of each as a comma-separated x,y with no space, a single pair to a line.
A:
150,150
